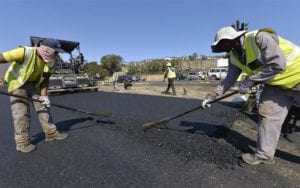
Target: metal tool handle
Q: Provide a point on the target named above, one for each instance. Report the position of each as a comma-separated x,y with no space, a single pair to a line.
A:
103,114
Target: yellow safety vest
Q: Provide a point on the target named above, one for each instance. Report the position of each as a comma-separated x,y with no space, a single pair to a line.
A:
19,72
287,79
171,73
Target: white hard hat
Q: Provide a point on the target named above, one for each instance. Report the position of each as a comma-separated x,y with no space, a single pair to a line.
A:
228,33
169,65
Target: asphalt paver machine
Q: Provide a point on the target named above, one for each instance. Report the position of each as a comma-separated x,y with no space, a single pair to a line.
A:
68,75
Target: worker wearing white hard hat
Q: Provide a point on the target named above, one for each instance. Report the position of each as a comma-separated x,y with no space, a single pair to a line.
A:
171,75
269,60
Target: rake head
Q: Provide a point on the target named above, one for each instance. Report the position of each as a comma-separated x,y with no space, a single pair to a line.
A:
103,114
158,124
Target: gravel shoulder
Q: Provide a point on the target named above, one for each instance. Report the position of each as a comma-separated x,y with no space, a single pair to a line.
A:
184,89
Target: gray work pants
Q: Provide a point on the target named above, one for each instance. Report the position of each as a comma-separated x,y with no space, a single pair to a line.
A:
273,109
21,114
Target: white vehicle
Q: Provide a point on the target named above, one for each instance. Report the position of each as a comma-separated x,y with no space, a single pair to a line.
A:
202,75
217,73
193,76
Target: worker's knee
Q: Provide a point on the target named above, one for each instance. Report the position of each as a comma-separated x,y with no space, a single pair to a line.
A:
273,110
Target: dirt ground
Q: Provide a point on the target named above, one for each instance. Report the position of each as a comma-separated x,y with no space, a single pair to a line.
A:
191,90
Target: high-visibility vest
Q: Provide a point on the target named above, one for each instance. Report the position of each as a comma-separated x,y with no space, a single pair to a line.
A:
171,73
289,78
19,72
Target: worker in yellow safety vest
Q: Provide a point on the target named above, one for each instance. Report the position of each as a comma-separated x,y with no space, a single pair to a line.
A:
267,59
28,75
171,75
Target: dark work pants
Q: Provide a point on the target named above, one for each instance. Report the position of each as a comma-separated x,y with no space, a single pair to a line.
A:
171,84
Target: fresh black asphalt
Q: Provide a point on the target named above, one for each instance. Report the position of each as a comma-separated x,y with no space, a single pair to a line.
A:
115,152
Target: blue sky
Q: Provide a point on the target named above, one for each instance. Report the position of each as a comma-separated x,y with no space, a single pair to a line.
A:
141,29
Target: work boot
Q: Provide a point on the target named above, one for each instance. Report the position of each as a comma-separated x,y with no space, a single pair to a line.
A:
56,136
253,159
25,148
165,92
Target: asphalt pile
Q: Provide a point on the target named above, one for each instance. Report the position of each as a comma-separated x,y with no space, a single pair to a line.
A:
196,137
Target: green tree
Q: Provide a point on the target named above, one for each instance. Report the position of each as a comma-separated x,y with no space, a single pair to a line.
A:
134,68
193,57
95,71
112,63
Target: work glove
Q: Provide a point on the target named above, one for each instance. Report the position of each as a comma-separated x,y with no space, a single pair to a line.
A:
245,86
209,97
45,100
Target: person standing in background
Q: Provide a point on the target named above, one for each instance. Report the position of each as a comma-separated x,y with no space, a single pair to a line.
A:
171,75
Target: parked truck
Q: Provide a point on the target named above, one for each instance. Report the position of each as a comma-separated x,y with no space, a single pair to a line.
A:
68,75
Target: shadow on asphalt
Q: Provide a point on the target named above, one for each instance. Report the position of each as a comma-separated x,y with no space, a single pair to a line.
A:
210,130
65,126
245,144
237,140
287,156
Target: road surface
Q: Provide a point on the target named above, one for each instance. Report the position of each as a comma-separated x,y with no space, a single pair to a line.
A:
115,152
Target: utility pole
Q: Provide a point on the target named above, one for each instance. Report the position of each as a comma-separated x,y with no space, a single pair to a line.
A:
240,26
201,58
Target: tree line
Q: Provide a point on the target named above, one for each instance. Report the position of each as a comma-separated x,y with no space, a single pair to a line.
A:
114,63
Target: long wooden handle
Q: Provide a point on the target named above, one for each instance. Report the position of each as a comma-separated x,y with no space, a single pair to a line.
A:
164,121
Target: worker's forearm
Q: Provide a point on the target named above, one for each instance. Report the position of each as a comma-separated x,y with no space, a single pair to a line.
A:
44,86
44,92
232,75
213,94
